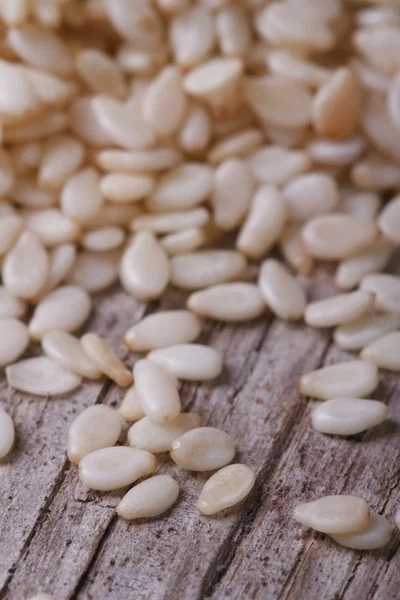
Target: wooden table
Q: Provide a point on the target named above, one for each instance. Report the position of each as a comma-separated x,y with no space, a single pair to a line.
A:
58,538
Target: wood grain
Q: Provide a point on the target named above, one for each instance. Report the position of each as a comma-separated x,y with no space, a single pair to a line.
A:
56,537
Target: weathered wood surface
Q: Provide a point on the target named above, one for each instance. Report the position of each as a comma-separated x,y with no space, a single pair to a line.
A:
56,537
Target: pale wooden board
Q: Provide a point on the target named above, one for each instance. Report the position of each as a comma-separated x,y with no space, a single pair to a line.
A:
56,537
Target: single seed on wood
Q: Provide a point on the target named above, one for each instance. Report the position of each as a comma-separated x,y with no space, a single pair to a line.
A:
181,188
389,220
226,488
183,241
149,498
10,306
105,359
203,449
228,302
131,408
384,352
264,224
163,329
233,190
347,379
42,377
366,329
350,271
336,236
66,350
207,267
334,514
25,267
281,291
348,416
96,427
375,535
309,195
7,433
157,437
339,309
386,289
64,309
194,362
113,468
145,267
158,395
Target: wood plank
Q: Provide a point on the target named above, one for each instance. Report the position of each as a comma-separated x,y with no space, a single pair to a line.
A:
315,465
172,556
38,466
78,549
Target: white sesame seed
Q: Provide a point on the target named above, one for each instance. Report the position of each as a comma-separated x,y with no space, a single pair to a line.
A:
334,514
113,468
149,498
194,362
348,416
375,535
353,378
225,488
155,437
339,309
281,291
105,359
42,377
203,449
158,395
96,427
163,329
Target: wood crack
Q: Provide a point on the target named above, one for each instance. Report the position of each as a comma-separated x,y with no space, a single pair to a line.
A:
85,577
